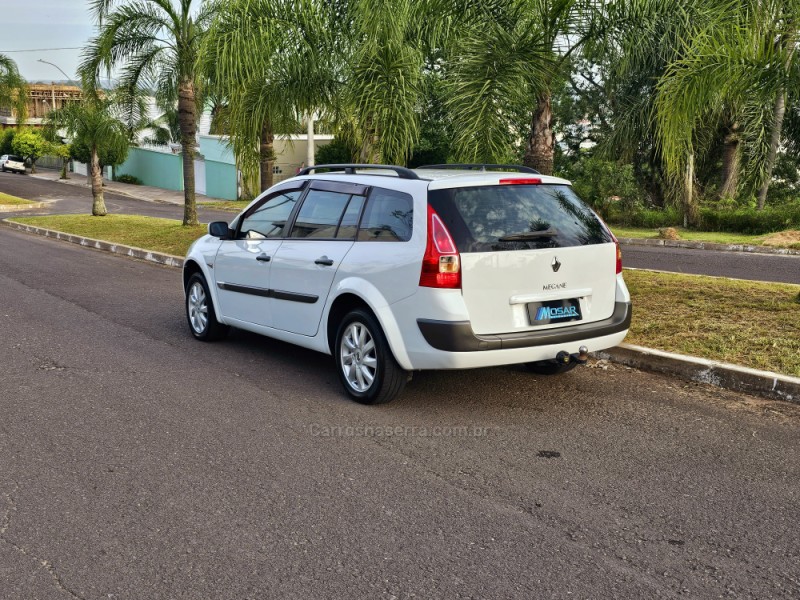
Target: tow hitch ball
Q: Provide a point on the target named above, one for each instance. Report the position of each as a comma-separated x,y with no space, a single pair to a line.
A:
565,358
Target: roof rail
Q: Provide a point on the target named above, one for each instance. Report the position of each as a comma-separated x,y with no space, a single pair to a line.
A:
350,169
483,167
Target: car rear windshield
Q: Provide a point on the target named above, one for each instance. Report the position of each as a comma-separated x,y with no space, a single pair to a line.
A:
517,217
14,158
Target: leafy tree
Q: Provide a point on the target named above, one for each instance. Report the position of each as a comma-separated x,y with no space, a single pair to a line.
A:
6,140
30,145
93,127
158,42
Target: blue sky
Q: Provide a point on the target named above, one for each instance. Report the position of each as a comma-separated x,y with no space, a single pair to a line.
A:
26,25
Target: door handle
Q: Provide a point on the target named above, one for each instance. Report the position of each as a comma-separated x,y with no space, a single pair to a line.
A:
324,261
263,258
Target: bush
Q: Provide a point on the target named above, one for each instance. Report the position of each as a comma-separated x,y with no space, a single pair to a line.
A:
336,152
647,218
132,179
605,185
750,220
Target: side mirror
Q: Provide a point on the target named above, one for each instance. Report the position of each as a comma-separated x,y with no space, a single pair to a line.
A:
219,229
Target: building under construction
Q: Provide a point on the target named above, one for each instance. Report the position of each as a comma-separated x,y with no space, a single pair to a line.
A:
42,98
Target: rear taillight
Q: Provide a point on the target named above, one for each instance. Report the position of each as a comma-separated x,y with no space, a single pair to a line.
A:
619,258
441,265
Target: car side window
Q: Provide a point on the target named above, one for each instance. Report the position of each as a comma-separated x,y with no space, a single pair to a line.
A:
320,214
388,217
268,220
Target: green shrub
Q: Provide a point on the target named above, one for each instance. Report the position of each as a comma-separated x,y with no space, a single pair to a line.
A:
336,152
750,220
124,178
643,217
606,185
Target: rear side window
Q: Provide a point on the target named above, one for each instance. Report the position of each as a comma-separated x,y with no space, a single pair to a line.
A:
320,214
388,217
517,217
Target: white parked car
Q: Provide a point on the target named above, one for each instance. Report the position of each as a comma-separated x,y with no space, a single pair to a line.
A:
393,270
10,162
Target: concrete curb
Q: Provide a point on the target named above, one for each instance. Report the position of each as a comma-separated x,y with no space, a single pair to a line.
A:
131,251
690,368
700,370
19,207
709,246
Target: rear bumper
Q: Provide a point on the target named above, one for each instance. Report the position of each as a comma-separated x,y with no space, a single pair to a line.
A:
457,336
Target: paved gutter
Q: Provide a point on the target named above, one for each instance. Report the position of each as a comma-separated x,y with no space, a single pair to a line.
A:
690,368
694,245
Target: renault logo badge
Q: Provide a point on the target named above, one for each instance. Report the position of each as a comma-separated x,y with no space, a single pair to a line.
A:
555,264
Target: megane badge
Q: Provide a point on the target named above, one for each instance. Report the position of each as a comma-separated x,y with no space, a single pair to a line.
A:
555,264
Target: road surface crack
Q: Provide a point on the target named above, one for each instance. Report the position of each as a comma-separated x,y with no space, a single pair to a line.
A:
5,524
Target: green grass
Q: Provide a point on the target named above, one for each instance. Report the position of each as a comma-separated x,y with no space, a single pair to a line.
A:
7,200
747,323
161,235
234,206
695,236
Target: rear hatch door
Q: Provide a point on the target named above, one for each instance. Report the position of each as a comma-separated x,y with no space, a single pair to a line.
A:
533,256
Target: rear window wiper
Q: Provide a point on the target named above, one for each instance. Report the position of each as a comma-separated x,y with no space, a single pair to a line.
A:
528,235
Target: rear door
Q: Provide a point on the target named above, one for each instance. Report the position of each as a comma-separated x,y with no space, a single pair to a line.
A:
532,256
322,234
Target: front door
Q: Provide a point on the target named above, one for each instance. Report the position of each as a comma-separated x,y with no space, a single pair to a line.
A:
242,270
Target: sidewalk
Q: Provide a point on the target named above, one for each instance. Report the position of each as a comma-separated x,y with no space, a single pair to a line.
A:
140,192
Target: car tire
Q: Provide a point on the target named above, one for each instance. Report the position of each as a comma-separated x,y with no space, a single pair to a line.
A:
200,312
550,367
364,362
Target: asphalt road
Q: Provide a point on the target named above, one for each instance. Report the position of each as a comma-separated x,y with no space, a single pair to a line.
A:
69,199
739,265
136,462
759,267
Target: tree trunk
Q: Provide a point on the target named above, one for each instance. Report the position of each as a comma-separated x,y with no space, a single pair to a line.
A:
267,156
690,214
774,143
188,126
310,149
730,163
541,143
96,173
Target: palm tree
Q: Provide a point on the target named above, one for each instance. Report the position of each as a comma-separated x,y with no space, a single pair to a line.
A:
92,123
635,44
358,63
158,42
510,57
266,62
12,88
745,63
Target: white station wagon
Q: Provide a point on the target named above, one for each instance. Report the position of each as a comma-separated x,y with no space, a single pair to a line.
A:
393,270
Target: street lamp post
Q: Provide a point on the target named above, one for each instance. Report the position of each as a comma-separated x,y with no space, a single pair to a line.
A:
69,82
47,62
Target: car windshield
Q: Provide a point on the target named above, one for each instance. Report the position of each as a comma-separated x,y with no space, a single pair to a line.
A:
14,158
517,217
